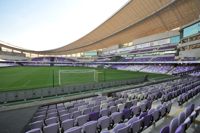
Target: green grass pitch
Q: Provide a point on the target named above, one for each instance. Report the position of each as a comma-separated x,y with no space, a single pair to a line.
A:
18,78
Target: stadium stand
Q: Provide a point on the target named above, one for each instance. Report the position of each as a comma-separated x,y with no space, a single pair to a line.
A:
145,45
49,59
157,69
7,64
167,69
130,112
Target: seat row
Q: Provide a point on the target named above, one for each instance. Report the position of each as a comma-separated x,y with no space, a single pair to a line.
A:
188,95
141,93
177,91
70,107
146,119
181,123
166,90
106,109
115,117
125,124
113,109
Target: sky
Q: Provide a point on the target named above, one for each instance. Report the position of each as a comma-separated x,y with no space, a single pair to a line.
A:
48,24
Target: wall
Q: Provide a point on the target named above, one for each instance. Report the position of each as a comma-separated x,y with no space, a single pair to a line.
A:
46,92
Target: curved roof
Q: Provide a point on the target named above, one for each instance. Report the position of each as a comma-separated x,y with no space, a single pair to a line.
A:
138,18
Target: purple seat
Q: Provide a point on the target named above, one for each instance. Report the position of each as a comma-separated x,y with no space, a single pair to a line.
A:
96,108
149,104
103,122
118,127
136,126
67,124
163,111
52,106
126,114
74,130
37,124
151,111
91,105
187,111
192,107
83,106
104,112
54,114
156,115
105,131
52,128
165,129
185,97
38,118
35,130
147,120
65,117
169,105
81,120
124,129
62,112
143,114
159,107
86,111
132,120
135,110
71,110
52,111
180,100
134,102
181,118
40,113
51,120
180,129
143,107
104,105
113,109
76,114
118,101
90,127
62,109
129,104
98,103
173,125
93,116
121,107
116,117
111,103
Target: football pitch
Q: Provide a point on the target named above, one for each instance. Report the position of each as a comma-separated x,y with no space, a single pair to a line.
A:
21,78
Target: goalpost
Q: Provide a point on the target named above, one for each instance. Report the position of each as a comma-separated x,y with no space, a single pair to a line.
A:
81,75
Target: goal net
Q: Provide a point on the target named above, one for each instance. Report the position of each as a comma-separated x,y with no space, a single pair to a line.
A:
77,76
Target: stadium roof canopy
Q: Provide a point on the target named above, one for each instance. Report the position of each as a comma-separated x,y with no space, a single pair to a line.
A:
138,18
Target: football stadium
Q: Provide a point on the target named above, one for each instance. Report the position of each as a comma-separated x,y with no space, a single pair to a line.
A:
136,70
